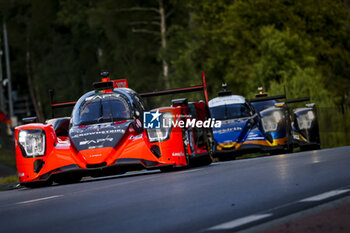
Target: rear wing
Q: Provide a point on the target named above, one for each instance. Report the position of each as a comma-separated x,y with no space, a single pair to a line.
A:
202,87
279,97
297,100
58,105
260,99
105,84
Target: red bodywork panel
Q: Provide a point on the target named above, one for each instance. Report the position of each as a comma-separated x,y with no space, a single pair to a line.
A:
60,154
133,148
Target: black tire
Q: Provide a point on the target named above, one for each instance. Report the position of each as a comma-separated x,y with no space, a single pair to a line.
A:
167,169
185,136
278,152
207,160
308,147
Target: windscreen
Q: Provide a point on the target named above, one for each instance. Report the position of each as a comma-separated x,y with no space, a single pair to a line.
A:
101,108
261,105
230,111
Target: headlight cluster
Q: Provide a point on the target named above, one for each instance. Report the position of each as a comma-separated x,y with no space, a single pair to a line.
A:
32,141
162,134
305,120
270,122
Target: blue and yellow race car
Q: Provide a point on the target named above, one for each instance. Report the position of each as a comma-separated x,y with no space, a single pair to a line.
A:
245,129
304,120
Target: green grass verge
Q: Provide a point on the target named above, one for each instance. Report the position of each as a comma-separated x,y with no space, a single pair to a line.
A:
8,158
9,179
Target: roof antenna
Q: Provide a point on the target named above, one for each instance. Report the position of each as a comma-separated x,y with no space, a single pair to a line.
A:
261,93
224,91
105,76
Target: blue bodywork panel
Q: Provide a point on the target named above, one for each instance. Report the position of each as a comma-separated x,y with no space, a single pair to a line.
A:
247,132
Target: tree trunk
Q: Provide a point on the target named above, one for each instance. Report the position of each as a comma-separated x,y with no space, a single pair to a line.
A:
35,102
164,43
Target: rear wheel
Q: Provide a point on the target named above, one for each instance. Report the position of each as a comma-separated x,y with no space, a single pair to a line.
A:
209,158
186,134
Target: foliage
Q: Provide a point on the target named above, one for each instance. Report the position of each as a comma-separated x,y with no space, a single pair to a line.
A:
302,46
7,158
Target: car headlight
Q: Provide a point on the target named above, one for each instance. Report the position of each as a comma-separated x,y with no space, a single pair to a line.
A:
305,120
32,141
311,115
163,133
270,122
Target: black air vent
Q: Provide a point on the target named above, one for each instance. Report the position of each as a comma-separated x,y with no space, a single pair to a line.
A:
96,165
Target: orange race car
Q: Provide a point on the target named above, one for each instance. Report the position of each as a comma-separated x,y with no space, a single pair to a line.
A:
110,132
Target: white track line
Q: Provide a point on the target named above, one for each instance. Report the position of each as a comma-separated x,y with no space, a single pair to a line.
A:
325,195
39,199
187,171
240,221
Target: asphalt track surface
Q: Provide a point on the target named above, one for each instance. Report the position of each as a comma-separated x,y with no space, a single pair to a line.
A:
225,196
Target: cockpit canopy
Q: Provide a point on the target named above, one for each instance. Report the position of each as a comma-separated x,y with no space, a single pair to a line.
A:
229,107
231,111
100,108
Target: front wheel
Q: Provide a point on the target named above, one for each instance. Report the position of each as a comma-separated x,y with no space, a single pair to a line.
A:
167,169
209,144
209,158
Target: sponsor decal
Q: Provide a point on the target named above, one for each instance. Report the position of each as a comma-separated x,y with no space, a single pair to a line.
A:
120,83
255,137
136,137
220,131
111,131
96,141
226,100
102,96
178,154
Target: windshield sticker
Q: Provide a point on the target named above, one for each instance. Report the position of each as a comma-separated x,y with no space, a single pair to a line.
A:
102,96
87,142
111,131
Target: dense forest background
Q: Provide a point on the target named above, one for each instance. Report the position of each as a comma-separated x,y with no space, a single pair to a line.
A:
303,46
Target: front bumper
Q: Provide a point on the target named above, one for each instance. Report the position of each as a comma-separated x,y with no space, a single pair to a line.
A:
252,147
119,167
